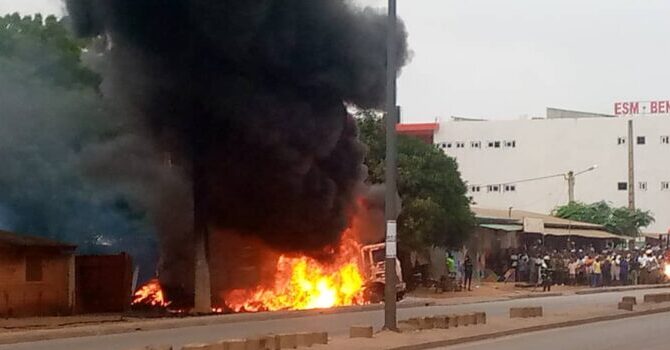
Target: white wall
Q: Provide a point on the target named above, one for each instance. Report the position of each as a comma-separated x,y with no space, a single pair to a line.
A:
553,146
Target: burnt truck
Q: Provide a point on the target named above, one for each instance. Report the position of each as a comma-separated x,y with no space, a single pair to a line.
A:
373,257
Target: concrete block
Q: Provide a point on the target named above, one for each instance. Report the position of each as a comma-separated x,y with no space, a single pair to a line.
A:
304,339
157,347
626,306
453,321
441,322
656,298
360,332
269,342
232,344
426,323
517,312
536,311
463,320
525,312
287,341
480,317
631,300
195,347
320,337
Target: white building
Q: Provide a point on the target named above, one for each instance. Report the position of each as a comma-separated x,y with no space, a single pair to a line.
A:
499,159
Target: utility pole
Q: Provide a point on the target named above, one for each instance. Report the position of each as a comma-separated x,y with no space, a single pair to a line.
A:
202,285
390,210
571,186
631,167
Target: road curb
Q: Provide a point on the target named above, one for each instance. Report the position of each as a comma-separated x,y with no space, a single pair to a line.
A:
16,337
544,327
622,289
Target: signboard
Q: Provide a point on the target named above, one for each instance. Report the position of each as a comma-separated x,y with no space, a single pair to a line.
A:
642,108
391,239
533,225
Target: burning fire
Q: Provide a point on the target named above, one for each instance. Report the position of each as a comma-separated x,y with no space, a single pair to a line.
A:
302,283
150,294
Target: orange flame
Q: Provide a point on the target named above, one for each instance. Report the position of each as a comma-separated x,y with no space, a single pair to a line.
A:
150,294
303,283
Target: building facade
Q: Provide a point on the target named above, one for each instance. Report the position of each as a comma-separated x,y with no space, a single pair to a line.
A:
522,163
37,276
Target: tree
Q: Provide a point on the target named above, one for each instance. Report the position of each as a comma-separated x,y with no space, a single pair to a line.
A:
621,221
51,111
435,209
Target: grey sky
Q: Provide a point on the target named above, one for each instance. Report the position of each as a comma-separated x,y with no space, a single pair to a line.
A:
505,59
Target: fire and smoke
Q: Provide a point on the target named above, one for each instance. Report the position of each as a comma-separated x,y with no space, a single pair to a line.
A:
247,99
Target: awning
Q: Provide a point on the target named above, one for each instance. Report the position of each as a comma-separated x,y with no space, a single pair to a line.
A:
502,227
580,233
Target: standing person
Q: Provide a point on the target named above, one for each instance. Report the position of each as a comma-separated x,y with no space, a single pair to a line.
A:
467,270
547,273
596,280
623,270
633,269
616,270
572,272
514,266
523,268
606,267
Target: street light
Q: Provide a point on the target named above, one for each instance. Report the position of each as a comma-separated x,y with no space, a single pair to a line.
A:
570,177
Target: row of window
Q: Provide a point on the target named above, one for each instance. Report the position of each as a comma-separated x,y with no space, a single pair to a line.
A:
642,140
621,186
478,144
494,188
642,186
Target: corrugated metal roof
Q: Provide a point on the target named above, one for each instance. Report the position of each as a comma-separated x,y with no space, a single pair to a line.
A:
17,240
521,214
580,233
502,227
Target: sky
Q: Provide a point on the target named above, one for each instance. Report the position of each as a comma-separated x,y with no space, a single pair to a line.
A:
510,59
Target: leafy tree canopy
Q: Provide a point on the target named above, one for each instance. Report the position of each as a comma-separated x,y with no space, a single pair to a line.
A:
621,221
435,209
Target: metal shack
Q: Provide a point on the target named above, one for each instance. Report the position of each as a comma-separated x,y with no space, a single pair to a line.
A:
37,276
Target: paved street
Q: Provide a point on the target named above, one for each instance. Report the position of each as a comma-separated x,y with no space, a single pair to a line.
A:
336,324
648,333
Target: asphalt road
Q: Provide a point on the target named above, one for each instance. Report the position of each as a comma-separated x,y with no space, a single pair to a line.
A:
647,332
335,324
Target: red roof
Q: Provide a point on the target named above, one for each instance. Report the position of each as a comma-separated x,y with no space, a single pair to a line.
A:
419,127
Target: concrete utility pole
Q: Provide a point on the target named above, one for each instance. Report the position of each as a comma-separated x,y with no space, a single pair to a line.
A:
571,186
390,317
631,167
203,291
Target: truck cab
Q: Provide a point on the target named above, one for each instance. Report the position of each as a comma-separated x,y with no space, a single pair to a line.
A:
373,257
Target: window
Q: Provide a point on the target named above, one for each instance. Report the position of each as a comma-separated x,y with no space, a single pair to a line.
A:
448,144
475,189
490,143
622,186
510,144
665,185
475,144
493,188
33,269
460,144
621,140
642,185
510,188
641,140
496,144
665,140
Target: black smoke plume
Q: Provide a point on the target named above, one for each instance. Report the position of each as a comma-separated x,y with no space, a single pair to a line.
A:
248,99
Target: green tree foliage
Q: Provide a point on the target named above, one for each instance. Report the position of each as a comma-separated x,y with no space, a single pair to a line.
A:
435,209
621,221
51,111
45,46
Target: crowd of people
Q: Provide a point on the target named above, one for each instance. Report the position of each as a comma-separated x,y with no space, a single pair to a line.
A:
587,267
